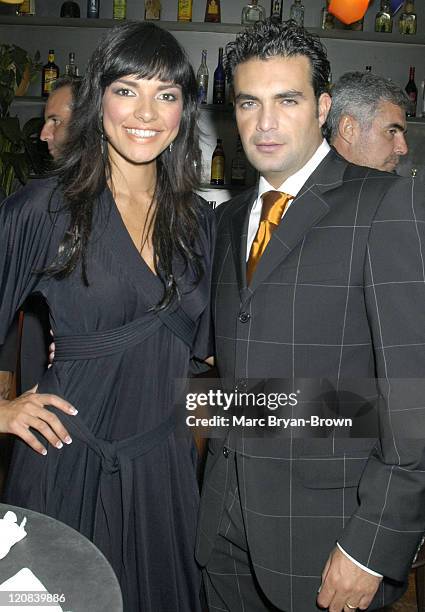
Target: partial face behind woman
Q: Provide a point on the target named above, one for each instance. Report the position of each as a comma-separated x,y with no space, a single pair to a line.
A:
141,118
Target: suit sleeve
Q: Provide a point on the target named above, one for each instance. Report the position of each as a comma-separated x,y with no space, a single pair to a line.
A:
26,227
387,528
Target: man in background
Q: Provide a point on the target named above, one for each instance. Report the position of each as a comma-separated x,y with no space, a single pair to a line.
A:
57,113
35,326
367,120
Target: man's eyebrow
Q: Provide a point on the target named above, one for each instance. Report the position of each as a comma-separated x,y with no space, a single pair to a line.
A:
288,94
397,126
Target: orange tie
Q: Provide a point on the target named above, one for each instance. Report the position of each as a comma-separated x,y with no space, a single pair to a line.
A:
274,205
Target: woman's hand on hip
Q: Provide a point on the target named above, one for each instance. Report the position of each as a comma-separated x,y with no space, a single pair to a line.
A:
28,411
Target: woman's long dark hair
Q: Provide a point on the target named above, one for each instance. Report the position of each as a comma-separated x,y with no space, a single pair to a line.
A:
145,51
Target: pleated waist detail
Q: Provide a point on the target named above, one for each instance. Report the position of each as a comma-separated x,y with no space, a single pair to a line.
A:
109,342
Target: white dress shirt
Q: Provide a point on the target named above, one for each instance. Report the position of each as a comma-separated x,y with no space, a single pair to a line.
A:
291,186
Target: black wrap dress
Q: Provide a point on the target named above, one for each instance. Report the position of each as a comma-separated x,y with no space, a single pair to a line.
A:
128,480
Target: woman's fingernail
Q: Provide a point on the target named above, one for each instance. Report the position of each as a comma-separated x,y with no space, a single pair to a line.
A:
44,452
73,410
68,440
59,444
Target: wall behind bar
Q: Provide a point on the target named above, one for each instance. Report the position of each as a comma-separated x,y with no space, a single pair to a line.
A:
387,58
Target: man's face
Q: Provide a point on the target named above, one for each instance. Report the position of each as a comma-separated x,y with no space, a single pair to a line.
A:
57,114
381,145
278,117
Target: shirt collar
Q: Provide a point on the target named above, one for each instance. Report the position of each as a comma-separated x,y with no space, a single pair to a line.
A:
293,184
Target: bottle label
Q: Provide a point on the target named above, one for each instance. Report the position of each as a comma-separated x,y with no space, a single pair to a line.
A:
93,8
218,93
213,8
185,10
119,9
152,9
50,76
25,8
202,94
217,168
238,174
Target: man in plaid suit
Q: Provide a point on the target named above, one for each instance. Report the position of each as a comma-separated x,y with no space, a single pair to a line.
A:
338,293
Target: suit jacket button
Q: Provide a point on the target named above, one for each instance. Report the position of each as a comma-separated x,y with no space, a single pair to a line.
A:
225,451
244,317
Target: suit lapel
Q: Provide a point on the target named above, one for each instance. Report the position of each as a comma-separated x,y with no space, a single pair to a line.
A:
308,208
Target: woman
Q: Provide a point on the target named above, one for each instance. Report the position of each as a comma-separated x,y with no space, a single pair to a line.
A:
120,248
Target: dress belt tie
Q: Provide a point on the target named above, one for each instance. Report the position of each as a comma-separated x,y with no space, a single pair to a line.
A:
117,458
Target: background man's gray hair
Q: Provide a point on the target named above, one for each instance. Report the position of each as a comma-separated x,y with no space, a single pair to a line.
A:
359,94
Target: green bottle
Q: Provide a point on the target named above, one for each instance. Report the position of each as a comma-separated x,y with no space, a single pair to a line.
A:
119,9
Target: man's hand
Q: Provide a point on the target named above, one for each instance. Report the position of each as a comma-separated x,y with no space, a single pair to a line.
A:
27,410
344,582
6,379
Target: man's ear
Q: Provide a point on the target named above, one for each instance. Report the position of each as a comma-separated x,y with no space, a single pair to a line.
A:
323,107
347,128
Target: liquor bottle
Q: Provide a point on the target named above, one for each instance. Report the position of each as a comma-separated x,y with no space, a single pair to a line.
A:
219,85
119,9
184,11
93,9
407,23
70,9
202,79
26,8
212,11
49,74
152,10
252,13
71,69
297,12
238,172
328,20
384,18
412,92
217,164
276,11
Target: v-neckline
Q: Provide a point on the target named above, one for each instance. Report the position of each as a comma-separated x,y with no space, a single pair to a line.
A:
127,252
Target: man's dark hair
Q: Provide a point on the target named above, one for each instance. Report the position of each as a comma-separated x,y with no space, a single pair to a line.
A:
68,81
270,39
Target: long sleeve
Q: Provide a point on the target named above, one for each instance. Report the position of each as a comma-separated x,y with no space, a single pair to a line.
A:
27,241
387,528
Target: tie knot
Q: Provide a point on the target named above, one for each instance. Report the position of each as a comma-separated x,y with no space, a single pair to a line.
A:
274,205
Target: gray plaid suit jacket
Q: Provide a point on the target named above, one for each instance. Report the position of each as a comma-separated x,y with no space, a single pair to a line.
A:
340,293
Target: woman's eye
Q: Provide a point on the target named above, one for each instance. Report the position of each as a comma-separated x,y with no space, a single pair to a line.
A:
122,91
168,97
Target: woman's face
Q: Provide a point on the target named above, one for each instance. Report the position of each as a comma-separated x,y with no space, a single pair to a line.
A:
141,117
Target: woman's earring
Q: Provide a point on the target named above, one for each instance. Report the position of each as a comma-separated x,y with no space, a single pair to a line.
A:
170,147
